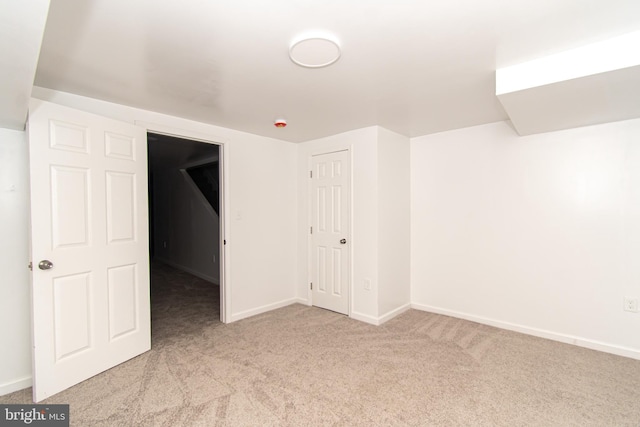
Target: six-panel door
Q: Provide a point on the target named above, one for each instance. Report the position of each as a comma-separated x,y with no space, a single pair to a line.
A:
91,309
330,231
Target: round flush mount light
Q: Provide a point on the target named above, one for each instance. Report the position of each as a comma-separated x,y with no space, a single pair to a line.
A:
280,123
315,51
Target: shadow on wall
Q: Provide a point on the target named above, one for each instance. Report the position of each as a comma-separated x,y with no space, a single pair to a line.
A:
183,205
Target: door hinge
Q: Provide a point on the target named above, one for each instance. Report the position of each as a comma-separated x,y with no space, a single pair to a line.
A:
311,230
30,266
310,174
224,242
311,285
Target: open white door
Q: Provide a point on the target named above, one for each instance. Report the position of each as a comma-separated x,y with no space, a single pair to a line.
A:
330,200
89,245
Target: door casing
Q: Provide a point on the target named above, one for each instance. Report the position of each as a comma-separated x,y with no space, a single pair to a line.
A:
225,264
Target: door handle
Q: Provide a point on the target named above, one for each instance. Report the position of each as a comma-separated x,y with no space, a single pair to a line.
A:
343,241
45,264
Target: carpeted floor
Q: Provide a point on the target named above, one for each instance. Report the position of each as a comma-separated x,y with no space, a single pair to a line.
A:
303,366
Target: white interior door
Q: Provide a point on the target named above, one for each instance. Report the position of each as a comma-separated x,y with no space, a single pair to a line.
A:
330,202
89,243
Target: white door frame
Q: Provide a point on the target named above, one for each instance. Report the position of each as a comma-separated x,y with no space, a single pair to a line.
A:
225,262
310,221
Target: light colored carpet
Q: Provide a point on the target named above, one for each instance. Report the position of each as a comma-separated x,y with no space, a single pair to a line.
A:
303,366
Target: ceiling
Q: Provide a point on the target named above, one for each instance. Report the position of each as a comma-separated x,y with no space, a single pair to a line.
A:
412,66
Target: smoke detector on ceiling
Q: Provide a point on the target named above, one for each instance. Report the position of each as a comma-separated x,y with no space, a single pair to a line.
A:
315,50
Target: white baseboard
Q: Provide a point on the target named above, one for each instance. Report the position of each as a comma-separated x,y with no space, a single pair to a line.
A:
555,336
16,385
393,313
263,309
377,321
364,318
188,270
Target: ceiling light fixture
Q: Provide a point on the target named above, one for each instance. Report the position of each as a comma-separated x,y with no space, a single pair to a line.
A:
280,123
315,50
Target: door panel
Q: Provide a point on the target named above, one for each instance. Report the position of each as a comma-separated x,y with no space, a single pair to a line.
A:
123,300
70,206
329,239
72,314
121,202
89,218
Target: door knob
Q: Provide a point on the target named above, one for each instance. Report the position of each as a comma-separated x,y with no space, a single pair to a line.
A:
45,264
343,241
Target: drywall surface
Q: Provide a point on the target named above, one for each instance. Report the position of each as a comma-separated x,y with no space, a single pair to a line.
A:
263,217
15,284
394,222
539,233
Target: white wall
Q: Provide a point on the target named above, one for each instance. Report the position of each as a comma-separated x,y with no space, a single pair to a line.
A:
15,296
393,223
369,211
186,228
264,221
539,234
